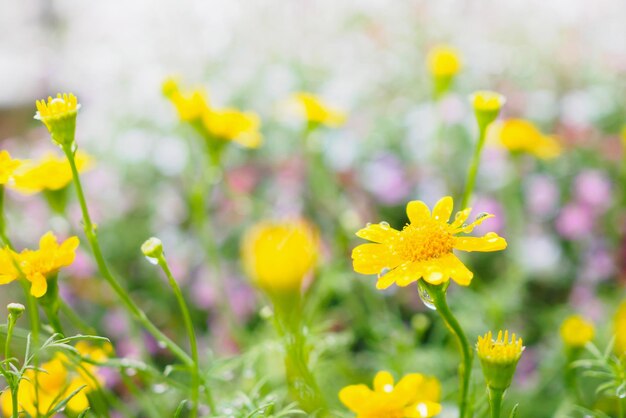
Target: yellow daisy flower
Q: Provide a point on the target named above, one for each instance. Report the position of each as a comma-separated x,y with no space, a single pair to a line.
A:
7,167
519,135
443,61
38,265
278,255
423,248
576,331
49,173
233,125
415,396
190,105
314,110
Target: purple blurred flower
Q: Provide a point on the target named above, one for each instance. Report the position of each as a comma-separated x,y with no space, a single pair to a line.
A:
593,189
82,266
542,195
575,221
598,264
203,293
386,179
492,206
583,297
116,324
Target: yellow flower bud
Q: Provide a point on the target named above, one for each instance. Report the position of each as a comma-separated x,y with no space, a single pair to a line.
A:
576,331
499,358
487,105
443,63
59,116
278,255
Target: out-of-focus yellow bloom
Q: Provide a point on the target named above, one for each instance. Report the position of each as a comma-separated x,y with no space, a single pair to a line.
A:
415,396
190,105
424,247
7,167
443,61
519,135
623,135
576,331
49,173
278,255
60,379
59,116
499,358
315,111
233,125
487,105
38,265
619,329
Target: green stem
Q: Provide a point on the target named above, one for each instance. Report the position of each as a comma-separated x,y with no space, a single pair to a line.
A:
302,384
473,170
90,233
14,383
495,401
438,295
195,392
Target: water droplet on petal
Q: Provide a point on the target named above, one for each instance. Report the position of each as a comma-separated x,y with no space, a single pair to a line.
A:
152,260
425,296
368,224
481,215
383,271
384,225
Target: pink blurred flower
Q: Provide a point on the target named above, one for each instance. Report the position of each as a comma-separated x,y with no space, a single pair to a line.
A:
575,221
542,195
593,189
82,266
386,179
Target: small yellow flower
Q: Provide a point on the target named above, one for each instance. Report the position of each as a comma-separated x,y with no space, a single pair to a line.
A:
443,61
233,125
59,378
415,396
38,265
499,358
619,329
315,111
59,116
7,167
487,105
576,331
424,247
190,105
49,173
278,255
519,135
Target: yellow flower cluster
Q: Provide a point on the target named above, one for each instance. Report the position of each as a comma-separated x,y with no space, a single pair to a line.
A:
316,112
41,390
415,396
37,265
423,249
576,331
221,124
519,135
7,167
278,255
49,173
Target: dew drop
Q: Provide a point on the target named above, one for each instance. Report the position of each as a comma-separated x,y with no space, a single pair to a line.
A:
152,260
162,345
384,271
481,215
368,224
384,225
425,296
621,391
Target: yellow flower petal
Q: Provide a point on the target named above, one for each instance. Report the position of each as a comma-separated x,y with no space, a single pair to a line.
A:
443,209
422,409
409,386
372,258
377,233
470,227
417,211
458,271
490,242
354,396
38,285
383,382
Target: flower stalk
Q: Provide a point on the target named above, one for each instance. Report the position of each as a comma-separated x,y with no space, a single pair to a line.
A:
495,401
438,296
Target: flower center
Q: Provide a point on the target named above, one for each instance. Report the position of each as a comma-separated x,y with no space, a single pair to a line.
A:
424,241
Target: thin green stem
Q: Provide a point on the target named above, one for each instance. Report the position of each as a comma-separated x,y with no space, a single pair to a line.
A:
90,233
495,401
195,389
14,383
473,170
438,295
7,342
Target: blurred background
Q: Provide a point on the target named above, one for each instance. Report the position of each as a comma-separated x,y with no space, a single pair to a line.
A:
560,63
